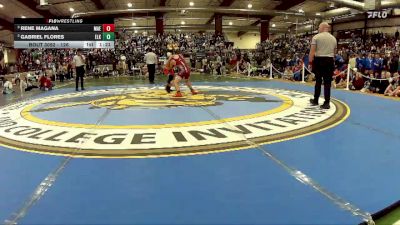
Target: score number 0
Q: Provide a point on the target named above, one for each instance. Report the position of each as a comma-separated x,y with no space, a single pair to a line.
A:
108,27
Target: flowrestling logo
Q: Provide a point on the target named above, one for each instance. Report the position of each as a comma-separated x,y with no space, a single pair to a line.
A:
146,122
379,14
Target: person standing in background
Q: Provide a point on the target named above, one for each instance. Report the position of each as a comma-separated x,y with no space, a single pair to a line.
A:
69,71
151,60
394,63
79,65
322,53
353,61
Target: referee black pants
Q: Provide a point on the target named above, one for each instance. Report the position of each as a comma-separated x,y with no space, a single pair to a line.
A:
152,70
323,68
80,73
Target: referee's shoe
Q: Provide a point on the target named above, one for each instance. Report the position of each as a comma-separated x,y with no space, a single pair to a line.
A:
315,103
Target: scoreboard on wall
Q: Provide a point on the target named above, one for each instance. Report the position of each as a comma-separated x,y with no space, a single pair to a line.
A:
63,33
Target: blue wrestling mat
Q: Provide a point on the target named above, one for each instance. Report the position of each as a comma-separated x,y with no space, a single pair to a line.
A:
240,152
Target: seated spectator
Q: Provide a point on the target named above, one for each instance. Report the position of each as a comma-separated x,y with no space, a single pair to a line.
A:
27,85
106,71
297,72
367,84
45,83
357,82
247,69
145,72
50,74
121,66
394,87
384,82
396,92
96,72
38,74
339,80
17,79
242,68
30,77
288,73
264,71
337,76
223,68
30,85
8,87
374,85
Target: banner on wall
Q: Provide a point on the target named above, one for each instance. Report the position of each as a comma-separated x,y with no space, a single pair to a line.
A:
379,14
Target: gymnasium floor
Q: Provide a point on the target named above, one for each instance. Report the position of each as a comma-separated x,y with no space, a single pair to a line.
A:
336,170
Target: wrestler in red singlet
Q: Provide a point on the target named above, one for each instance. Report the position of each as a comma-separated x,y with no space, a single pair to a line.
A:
182,66
182,70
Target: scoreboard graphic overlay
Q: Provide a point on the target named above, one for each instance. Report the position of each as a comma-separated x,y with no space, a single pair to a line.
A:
64,33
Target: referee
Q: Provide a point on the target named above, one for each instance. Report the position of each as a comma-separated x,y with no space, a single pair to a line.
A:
322,53
79,64
151,60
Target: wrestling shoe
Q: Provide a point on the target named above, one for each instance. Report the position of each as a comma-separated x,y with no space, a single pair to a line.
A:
168,88
194,92
178,95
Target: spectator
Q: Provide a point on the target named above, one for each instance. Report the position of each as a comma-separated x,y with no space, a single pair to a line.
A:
45,83
357,82
60,72
394,64
8,87
264,71
27,85
393,88
288,73
282,51
384,82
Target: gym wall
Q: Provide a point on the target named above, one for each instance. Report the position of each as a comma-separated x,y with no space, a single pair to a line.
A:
246,41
